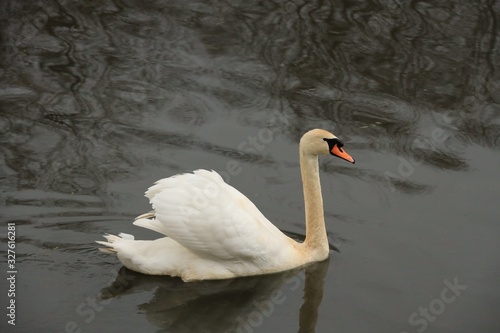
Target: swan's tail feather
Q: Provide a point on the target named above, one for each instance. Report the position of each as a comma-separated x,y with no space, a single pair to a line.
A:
151,224
148,215
123,235
105,249
110,240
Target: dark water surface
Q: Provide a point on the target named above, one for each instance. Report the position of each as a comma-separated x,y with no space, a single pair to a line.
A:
99,99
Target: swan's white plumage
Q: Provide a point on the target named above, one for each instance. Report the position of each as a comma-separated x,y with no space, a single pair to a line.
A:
215,232
206,215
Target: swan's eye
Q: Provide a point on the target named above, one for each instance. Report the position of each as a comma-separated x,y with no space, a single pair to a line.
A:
333,142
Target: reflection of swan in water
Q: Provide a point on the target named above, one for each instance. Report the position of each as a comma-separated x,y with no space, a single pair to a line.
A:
215,232
233,305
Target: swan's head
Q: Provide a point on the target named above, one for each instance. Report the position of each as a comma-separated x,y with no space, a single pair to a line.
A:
321,142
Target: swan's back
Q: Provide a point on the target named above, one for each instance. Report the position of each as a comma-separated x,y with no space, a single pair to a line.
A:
213,219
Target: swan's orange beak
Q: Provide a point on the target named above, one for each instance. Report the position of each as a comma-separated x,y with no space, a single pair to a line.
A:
339,152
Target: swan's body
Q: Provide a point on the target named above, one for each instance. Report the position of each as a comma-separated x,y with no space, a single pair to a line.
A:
215,232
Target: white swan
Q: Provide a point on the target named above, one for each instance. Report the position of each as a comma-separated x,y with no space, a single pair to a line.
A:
215,232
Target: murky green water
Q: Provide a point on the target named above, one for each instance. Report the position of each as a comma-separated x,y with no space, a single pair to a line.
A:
99,99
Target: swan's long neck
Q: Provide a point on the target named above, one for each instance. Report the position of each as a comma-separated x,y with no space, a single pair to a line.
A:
316,239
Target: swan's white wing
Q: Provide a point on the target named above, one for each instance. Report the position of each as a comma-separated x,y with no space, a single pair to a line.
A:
209,217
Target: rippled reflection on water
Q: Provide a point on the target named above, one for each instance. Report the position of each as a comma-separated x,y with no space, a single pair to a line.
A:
100,99
241,304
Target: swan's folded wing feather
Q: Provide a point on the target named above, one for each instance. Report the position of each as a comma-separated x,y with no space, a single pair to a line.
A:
207,216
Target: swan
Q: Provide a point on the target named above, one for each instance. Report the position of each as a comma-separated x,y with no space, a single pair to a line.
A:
215,232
